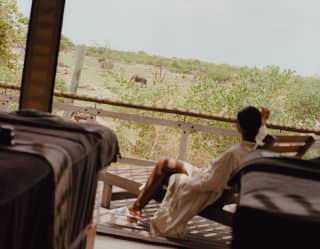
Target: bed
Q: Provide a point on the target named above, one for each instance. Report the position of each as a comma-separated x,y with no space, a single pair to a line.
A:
279,203
48,179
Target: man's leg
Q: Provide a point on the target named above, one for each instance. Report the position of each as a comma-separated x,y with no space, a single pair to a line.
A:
163,169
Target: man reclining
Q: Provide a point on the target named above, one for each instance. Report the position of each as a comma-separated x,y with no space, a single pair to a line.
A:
191,189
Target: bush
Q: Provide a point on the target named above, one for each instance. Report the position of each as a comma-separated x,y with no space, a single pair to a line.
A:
12,31
60,85
304,105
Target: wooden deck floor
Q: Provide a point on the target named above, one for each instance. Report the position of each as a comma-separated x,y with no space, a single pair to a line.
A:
109,242
115,232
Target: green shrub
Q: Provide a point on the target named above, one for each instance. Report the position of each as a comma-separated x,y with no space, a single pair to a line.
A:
60,85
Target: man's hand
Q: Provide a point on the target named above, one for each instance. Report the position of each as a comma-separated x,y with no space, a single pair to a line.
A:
265,113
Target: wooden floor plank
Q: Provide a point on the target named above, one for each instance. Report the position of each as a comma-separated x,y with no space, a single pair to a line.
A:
203,233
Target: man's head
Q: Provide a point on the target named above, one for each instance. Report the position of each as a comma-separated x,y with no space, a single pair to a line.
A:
249,122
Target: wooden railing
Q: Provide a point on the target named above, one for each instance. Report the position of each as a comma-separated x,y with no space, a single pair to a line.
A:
185,127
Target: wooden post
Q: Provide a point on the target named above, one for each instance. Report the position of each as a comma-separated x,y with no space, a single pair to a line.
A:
73,87
77,69
42,49
183,145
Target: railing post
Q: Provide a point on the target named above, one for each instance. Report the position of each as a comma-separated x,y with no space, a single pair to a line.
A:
183,142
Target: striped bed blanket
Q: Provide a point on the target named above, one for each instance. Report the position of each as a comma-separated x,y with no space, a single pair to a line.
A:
65,154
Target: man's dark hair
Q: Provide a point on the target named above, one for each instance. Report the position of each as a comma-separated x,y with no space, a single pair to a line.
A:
249,119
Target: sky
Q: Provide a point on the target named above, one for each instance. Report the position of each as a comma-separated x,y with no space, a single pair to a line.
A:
236,32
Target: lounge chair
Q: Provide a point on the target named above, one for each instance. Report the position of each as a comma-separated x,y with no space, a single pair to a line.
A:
288,145
292,145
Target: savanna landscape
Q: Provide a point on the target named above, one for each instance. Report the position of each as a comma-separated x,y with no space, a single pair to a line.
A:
193,85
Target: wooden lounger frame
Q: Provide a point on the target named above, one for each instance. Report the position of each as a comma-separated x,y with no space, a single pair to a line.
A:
294,145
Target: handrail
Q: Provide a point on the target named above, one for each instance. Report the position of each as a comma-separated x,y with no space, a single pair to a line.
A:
189,113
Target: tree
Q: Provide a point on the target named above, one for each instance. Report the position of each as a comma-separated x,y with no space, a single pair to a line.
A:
12,31
66,44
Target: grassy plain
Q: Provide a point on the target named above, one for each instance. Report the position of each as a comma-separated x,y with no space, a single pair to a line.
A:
190,84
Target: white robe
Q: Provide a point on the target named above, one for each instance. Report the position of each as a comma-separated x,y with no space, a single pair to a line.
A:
187,195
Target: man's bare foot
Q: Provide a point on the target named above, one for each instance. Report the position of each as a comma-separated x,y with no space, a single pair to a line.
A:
134,214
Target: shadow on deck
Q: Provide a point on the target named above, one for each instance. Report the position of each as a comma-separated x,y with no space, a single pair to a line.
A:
202,233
